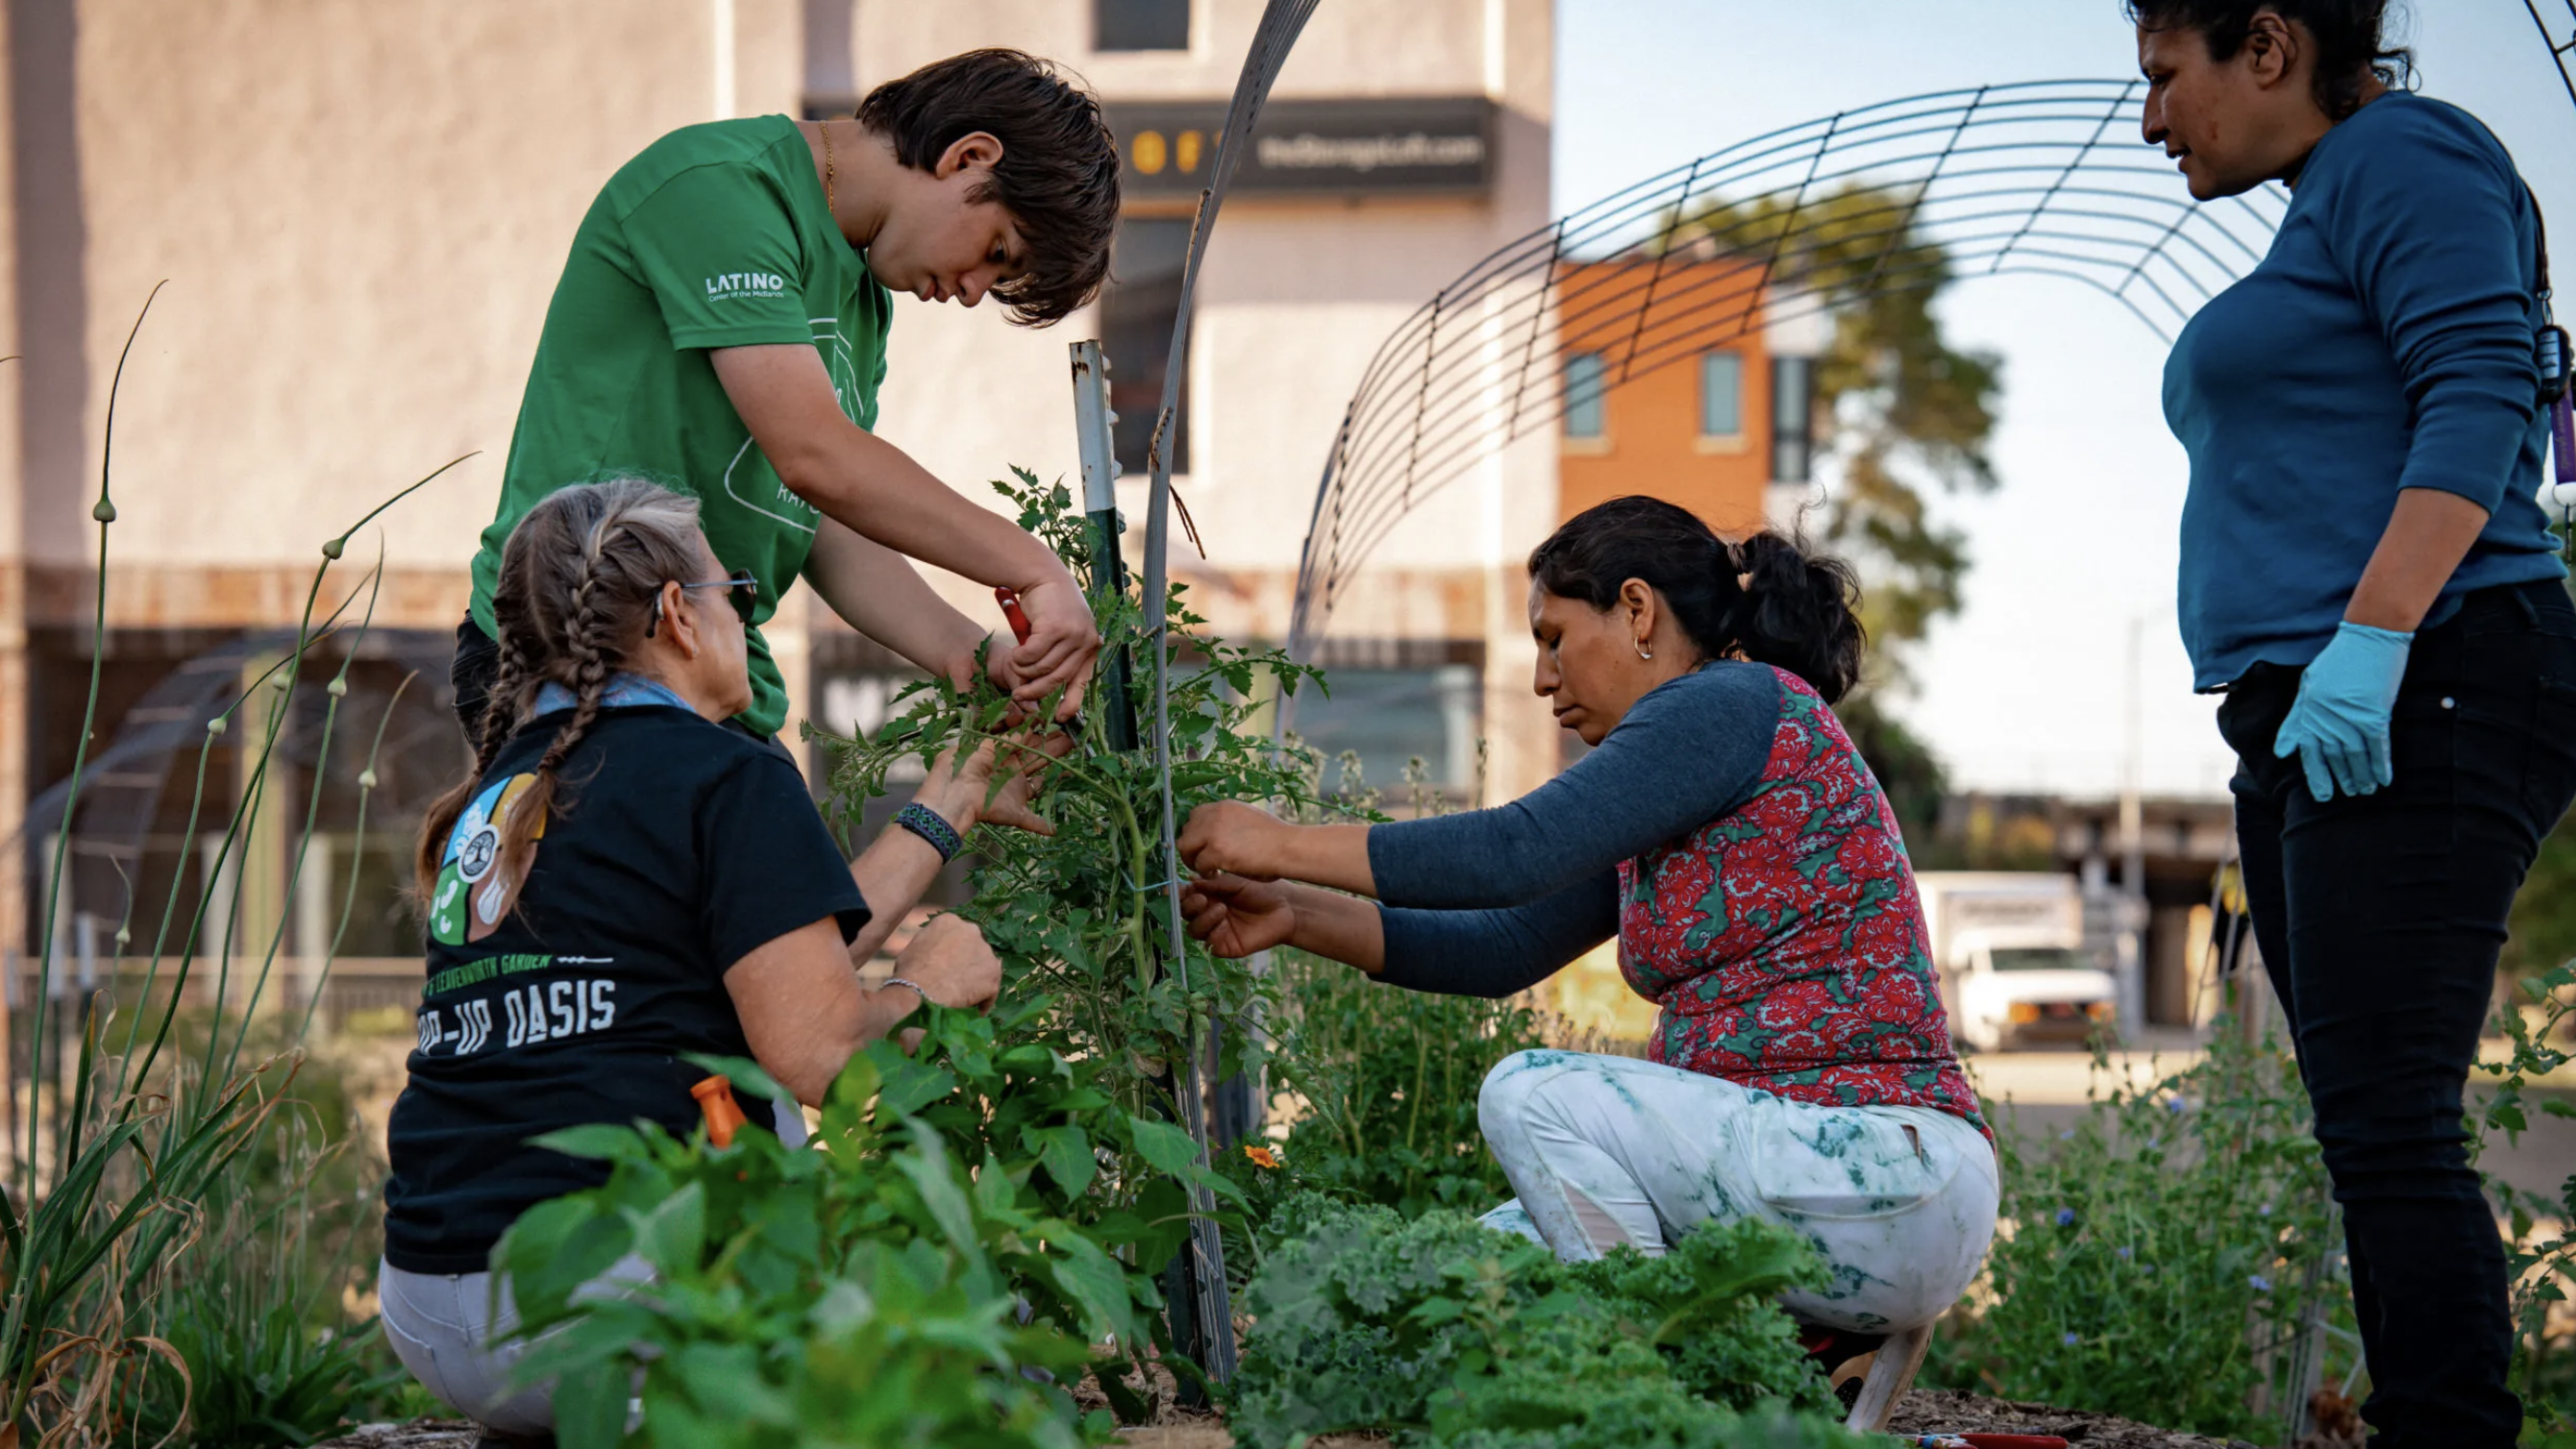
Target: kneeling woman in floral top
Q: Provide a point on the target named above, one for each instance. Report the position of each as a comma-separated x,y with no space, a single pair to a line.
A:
1727,832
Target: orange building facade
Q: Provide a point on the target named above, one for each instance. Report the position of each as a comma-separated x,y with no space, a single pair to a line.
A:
1676,385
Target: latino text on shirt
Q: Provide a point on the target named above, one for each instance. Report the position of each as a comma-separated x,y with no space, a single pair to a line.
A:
716,235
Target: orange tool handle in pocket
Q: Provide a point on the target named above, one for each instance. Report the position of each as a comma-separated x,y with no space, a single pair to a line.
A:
723,1113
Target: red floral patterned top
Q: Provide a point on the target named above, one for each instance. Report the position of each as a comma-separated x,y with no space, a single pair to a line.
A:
1784,940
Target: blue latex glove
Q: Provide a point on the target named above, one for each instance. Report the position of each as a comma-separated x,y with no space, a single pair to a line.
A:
2339,723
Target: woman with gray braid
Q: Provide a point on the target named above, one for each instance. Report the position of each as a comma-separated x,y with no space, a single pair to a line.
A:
621,882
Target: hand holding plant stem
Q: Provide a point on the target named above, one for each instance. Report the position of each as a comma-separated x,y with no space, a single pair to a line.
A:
1245,840
1238,917
948,960
993,784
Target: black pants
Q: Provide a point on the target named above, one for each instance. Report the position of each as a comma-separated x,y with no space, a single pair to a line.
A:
2379,920
478,664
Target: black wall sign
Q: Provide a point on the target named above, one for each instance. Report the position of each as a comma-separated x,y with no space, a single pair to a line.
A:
1438,144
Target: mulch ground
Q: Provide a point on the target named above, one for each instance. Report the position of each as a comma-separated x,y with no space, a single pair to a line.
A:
1924,1411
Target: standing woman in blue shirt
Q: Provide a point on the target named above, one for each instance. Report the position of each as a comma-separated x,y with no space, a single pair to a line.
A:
2368,578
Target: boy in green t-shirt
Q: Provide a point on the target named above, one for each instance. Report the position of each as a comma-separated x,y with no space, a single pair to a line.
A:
720,329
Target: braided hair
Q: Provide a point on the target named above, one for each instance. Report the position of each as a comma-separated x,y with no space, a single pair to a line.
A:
577,584
1766,599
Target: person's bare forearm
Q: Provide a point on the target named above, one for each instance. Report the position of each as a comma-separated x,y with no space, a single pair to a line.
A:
878,592
1338,927
871,486
896,868
843,1029
1327,855
2426,538
788,401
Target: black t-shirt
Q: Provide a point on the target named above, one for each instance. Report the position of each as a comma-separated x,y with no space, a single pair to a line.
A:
677,848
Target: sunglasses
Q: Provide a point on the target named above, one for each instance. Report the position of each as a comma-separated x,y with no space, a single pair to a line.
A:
740,587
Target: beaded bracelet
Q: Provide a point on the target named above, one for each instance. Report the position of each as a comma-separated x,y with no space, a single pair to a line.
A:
923,821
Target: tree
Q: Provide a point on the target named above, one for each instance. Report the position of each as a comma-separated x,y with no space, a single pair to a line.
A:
1901,407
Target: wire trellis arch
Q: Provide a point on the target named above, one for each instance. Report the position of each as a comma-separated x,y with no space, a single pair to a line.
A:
2561,51
2033,178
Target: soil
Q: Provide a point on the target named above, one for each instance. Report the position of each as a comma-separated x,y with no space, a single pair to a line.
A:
1947,1411
1924,1411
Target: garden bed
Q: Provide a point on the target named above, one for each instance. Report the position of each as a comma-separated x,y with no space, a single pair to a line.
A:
1923,1411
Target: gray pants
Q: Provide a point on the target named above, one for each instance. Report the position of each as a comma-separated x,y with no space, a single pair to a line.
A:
1899,1201
443,1327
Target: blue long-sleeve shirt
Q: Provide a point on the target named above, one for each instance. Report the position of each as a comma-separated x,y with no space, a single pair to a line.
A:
1490,902
2385,343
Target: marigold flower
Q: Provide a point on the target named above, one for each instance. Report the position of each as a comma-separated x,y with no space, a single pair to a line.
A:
1261,1156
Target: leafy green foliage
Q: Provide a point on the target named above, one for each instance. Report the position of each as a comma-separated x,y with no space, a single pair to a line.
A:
273,1379
1460,1336
869,1289
257,1309
1390,1088
2540,1232
2158,1260
1904,404
1079,916
1387,1081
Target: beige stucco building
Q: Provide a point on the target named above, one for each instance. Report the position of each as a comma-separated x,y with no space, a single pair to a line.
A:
355,213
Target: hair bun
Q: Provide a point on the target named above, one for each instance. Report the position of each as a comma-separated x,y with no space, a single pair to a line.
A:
1763,599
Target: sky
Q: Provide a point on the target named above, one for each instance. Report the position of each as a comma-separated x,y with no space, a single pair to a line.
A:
2030,686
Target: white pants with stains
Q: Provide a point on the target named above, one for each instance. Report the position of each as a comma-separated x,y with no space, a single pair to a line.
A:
1899,1201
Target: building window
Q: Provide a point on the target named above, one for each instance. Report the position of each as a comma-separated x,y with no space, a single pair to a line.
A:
1793,399
1136,314
1388,717
1721,395
1587,379
1140,24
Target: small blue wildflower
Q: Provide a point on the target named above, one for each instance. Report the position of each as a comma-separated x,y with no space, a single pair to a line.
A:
2071,1340
2155,1139
2124,1252
2176,1105
2066,1136
2265,1210
2066,1217
2260,1283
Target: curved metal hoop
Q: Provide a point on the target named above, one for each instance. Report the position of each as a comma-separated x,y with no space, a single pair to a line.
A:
2561,51
2039,178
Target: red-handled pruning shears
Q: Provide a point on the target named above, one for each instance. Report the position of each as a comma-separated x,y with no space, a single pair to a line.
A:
1012,611
1019,619
1986,1441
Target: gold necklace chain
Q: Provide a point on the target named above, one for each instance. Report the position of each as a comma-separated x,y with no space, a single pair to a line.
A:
829,205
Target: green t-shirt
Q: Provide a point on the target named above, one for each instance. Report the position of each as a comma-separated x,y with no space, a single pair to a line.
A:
716,236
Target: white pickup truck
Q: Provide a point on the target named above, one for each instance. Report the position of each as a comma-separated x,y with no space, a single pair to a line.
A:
2010,947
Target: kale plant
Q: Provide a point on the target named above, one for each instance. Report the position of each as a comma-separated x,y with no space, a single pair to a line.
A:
1450,1334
